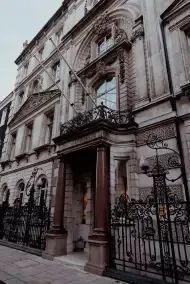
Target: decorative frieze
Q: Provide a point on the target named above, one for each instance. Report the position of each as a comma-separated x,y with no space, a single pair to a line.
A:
166,161
175,189
164,132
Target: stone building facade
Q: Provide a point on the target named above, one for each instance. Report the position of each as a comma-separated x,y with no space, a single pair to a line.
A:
134,57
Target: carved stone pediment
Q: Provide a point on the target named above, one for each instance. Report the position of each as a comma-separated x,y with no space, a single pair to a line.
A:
34,102
175,8
99,65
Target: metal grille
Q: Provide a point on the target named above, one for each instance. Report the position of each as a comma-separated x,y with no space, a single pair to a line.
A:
25,225
151,238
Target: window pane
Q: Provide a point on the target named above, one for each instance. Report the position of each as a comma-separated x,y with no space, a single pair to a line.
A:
111,84
106,93
102,89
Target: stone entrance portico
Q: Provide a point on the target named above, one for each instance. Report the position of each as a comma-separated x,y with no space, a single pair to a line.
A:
85,188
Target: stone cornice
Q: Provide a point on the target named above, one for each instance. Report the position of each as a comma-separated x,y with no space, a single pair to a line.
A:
91,14
175,9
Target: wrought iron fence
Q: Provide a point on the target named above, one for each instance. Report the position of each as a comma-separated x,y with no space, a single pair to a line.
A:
152,237
100,113
24,225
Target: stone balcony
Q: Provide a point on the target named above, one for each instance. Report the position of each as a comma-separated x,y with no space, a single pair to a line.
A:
100,115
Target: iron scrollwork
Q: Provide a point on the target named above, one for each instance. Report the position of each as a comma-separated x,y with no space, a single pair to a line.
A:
95,115
26,224
153,235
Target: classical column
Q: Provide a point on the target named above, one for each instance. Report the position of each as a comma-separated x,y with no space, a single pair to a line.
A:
57,236
98,241
102,192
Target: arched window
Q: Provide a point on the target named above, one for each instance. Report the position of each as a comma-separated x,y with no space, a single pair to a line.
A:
5,193
41,191
20,190
106,93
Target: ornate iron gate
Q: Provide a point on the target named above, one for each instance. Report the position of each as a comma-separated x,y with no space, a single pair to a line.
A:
152,237
25,224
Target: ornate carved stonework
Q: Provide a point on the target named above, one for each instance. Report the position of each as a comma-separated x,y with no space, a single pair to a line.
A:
119,34
101,68
137,33
177,189
121,65
101,24
173,159
34,101
165,132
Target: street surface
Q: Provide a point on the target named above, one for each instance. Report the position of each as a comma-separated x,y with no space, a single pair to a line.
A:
18,267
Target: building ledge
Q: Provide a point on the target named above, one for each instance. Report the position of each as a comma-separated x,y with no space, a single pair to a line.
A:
22,156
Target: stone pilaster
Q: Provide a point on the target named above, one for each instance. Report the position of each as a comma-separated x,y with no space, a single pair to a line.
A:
57,237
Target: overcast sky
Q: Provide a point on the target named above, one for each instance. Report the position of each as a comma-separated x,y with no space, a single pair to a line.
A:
19,20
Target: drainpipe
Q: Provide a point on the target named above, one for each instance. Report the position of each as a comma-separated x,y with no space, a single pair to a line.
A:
174,108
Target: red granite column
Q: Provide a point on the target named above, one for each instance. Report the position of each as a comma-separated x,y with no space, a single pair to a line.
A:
98,242
102,193
57,237
58,226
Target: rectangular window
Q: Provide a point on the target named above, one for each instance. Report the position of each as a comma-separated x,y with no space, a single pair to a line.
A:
58,36
25,70
28,138
13,144
3,117
49,127
56,71
41,50
20,99
104,44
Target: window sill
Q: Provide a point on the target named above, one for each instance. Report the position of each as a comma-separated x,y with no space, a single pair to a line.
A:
42,148
22,156
5,163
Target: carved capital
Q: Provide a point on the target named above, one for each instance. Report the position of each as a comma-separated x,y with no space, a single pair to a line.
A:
137,33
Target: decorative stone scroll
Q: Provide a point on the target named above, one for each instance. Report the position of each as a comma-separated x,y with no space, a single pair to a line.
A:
137,33
101,24
164,132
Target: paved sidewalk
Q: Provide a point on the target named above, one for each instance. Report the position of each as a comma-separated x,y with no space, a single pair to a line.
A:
18,267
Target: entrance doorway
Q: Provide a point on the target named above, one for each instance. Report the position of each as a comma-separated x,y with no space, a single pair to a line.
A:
81,188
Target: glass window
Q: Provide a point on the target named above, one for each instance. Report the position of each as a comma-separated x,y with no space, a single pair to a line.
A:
13,143
41,193
49,128
56,71
21,191
106,93
104,44
3,117
58,36
28,138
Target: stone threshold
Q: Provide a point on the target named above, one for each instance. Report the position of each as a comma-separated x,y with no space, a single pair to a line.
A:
75,259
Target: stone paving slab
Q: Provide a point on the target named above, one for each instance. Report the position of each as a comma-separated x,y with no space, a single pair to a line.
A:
18,267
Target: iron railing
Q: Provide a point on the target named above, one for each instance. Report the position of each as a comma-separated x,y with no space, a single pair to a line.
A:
24,225
98,114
